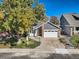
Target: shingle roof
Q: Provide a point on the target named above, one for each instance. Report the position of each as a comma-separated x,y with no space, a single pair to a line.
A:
47,25
38,25
71,20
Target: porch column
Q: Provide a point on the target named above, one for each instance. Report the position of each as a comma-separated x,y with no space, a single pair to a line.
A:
74,31
43,30
71,32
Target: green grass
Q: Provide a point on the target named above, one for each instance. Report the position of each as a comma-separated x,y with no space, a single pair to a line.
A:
31,44
11,43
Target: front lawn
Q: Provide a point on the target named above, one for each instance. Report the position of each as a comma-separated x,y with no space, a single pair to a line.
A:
27,44
21,43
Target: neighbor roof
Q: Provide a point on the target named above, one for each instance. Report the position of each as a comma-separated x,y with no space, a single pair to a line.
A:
71,19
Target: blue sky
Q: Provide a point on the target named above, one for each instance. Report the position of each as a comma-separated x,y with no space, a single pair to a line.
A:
59,7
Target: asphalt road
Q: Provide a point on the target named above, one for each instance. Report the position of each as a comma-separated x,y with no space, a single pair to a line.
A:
51,56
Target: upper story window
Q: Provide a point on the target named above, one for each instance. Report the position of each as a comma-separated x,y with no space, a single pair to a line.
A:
76,18
77,28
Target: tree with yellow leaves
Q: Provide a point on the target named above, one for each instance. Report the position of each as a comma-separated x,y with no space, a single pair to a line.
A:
1,15
19,16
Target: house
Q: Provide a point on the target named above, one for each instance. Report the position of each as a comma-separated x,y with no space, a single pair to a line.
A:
70,24
46,30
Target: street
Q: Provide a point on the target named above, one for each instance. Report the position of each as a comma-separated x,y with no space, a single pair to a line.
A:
50,56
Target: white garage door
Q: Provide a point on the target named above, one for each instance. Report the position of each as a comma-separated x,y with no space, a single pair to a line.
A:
50,34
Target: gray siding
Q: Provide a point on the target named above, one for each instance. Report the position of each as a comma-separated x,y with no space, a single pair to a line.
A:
67,30
63,21
65,25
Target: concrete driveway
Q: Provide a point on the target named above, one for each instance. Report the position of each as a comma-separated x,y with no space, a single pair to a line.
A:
51,43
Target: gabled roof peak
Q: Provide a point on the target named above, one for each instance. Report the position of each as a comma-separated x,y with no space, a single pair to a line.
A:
72,19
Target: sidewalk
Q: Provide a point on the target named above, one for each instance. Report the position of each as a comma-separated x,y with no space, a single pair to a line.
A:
39,54
67,51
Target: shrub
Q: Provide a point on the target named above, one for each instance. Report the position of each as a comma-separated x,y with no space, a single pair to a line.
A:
12,41
31,43
21,43
75,40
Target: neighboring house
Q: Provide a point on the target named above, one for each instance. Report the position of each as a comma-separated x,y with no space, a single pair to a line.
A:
70,24
46,30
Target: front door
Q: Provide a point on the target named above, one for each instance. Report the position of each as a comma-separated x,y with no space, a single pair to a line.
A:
40,31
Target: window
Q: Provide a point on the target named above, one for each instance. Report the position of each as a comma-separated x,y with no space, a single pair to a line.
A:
76,18
77,28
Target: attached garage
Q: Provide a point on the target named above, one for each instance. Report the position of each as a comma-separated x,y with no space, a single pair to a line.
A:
50,31
47,30
50,34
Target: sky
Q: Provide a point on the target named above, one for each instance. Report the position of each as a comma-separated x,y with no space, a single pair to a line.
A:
59,7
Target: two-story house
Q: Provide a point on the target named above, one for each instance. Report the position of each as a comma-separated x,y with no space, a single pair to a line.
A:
70,24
